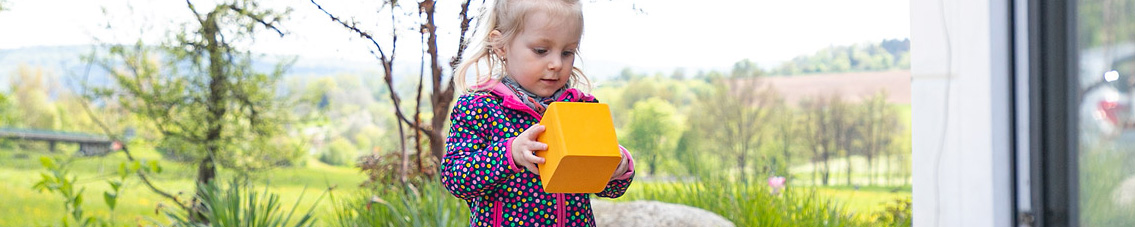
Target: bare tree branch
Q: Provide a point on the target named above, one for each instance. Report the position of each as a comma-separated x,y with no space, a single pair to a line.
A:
462,42
354,28
387,63
258,19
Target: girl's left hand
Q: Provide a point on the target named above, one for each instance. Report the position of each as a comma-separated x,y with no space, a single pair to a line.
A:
622,169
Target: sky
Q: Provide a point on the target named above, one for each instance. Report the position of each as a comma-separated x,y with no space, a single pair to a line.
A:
646,35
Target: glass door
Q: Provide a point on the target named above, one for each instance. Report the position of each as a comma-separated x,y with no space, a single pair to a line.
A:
1104,50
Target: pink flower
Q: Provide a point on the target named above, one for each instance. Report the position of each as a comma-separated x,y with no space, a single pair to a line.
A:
776,182
116,145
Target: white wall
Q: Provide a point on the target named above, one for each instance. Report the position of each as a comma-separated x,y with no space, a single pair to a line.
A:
961,111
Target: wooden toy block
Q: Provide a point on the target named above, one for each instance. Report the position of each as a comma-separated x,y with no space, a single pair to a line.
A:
582,149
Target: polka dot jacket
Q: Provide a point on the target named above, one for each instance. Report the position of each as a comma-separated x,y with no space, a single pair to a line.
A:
477,169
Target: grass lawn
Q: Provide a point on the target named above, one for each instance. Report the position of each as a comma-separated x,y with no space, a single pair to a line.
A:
24,206
887,171
864,200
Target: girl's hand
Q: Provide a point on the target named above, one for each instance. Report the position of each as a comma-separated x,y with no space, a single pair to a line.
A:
525,146
622,169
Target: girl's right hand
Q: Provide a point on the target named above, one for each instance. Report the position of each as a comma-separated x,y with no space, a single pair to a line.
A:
524,149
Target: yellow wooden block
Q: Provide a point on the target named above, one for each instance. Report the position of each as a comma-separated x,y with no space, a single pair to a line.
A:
582,149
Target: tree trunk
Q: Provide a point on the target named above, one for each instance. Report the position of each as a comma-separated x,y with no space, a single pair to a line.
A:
741,167
206,169
785,141
827,168
815,172
652,162
849,168
870,171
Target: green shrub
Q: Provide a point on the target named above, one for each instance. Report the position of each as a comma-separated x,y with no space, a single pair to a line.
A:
60,181
896,213
340,153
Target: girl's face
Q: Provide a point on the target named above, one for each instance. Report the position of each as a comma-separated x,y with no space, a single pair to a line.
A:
541,56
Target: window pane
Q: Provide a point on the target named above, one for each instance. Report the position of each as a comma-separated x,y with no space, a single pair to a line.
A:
1107,112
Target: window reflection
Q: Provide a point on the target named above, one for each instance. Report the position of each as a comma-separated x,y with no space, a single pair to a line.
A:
1106,36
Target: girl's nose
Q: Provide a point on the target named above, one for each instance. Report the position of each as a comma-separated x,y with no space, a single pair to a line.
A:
555,64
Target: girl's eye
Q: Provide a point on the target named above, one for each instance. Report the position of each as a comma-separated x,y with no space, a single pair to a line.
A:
540,51
568,53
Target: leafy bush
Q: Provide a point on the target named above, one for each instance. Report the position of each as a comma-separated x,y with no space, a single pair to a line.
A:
340,153
62,182
896,213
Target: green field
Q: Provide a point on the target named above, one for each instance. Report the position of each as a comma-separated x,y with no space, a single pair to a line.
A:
892,173
24,206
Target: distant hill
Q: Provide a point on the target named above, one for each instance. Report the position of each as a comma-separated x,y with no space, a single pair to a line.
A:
54,59
65,62
889,54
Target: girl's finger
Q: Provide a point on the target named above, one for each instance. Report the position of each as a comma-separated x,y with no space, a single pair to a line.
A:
534,131
537,146
532,158
532,168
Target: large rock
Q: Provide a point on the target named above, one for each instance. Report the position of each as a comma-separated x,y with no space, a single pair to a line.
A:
654,213
1123,195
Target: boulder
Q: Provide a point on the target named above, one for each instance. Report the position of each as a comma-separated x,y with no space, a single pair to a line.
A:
1123,195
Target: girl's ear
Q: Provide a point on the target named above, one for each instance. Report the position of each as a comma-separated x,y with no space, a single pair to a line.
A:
496,43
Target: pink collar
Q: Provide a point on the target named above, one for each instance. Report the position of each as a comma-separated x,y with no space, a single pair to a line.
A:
513,102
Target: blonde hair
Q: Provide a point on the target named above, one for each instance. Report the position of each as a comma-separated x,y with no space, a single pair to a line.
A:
507,17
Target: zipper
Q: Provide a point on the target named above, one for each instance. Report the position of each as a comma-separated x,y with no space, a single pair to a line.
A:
561,208
498,216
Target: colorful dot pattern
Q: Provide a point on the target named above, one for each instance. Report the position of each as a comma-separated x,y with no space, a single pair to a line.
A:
476,169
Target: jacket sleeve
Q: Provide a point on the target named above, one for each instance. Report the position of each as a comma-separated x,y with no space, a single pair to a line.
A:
619,185
474,163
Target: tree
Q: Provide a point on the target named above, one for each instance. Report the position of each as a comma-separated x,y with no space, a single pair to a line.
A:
627,75
635,91
1109,23
653,132
687,153
843,130
678,74
819,132
7,117
204,97
442,88
879,126
31,88
787,135
746,69
734,117
885,55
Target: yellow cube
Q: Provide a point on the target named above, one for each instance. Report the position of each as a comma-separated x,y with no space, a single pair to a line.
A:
582,149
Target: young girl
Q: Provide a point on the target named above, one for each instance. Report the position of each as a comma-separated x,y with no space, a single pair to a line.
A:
529,48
